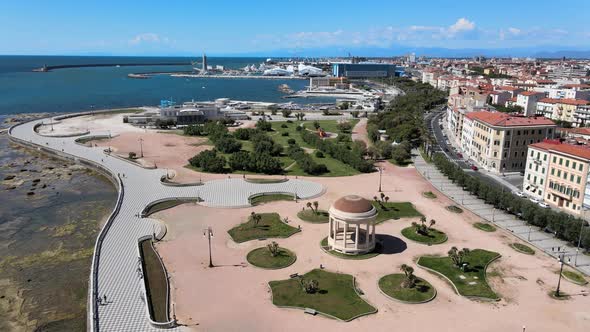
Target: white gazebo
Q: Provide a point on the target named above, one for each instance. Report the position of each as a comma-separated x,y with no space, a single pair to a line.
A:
352,225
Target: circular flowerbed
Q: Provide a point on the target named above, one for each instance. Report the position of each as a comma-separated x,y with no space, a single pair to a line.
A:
429,194
484,227
431,236
391,285
522,248
454,209
319,217
262,257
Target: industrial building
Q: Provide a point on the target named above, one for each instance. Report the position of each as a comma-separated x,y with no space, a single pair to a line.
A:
363,70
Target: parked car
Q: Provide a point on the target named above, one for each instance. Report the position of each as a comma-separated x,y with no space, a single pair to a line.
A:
521,173
534,200
544,205
473,167
519,194
459,154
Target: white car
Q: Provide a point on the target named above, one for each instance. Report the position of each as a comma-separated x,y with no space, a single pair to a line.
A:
519,193
534,200
543,205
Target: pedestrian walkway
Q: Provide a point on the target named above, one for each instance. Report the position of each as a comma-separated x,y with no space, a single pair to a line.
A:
545,242
116,255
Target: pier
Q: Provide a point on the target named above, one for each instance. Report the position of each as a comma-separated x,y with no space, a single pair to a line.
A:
241,76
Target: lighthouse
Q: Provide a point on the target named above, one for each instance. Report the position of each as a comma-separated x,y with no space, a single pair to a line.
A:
204,70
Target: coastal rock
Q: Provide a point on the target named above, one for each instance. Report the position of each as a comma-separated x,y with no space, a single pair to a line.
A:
9,177
30,193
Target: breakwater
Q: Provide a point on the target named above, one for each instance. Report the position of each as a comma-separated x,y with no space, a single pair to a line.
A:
87,65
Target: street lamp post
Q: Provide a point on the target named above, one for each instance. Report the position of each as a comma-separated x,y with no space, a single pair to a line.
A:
208,232
560,260
141,147
380,173
530,229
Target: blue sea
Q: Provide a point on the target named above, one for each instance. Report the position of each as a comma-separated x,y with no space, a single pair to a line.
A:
77,89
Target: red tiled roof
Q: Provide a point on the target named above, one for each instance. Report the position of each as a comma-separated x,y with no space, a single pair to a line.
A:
581,151
531,93
506,120
567,101
582,86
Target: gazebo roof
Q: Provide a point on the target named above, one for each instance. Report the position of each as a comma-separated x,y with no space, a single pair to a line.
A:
353,204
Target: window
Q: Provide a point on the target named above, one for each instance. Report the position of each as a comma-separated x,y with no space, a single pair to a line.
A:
528,176
565,175
554,158
541,182
537,168
560,161
567,163
559,173
579,179
580,167
574,165
571,177
532,152
552,171
544,157
518,132
543,170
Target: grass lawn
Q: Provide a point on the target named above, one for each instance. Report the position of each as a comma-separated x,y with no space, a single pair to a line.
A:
471,282
484,227
574,277
336,296
395,210
429,194
156,283
392,286
166,205
434,236
375,252
257,200
454,209
270,226
261,257
321,217
524,249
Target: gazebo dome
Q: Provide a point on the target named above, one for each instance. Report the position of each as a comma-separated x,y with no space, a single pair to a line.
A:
353,204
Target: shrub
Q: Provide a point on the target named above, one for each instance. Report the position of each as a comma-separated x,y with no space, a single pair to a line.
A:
299,128
264,125
286,113
132,155
284,133
208,161
291,141
345,127
305,161
319,154
284,125
244,134
228,144
194,130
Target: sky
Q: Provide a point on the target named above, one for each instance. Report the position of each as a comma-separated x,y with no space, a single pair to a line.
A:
178,27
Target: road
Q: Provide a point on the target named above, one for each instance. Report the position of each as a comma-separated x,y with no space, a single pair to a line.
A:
511,182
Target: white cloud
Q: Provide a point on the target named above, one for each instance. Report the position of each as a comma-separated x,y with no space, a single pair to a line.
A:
461,25
514,31
148,37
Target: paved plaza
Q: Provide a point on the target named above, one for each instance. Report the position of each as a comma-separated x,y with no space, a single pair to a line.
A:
118,259
544,241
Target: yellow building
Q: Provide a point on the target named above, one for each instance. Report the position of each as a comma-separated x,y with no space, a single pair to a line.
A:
498,141
560,109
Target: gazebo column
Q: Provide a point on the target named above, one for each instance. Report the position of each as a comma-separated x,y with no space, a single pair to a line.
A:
373,234
356,237
345,233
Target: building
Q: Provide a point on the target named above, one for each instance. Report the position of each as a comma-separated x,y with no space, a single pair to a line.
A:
563,181
320,82
352,225
561,109
498,141
528,101
363,70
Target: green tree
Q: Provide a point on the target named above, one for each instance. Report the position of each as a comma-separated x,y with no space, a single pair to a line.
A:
410,279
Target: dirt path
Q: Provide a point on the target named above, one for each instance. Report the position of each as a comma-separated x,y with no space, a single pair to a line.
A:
359,132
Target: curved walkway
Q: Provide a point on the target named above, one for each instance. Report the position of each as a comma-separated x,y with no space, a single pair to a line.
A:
116,255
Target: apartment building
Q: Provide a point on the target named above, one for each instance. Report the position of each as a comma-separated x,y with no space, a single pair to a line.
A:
498,141
528,101
560,109
557,173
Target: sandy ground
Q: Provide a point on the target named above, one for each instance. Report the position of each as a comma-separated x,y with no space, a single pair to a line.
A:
359,132
235,297
94,123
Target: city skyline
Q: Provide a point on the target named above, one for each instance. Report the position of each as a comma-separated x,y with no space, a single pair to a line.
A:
310,29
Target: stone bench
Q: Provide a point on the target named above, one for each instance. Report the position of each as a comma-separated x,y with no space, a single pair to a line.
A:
310,311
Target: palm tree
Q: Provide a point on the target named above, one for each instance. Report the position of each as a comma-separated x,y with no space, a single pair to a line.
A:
432,222
458,256
310,286
308,205
255,217
410,280
375,198
273,248
386,199
382,196
316,205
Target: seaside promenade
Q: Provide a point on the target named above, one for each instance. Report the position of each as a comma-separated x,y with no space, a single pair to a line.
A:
115,261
